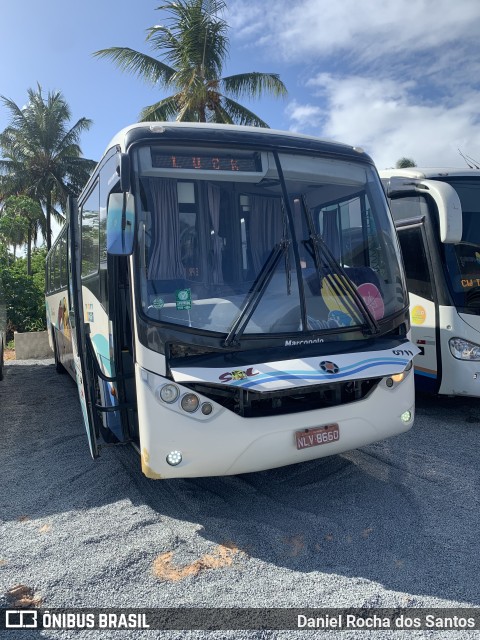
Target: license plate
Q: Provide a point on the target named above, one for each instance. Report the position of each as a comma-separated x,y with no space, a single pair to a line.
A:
319,435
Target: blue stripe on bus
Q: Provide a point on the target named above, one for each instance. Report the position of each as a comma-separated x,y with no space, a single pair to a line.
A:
425,374
311,375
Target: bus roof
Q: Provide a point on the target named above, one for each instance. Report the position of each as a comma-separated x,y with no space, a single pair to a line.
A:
227,133
429,173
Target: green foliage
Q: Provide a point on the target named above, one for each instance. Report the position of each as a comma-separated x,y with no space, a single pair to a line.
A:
24,295
41,154
405,163
194,48
13,228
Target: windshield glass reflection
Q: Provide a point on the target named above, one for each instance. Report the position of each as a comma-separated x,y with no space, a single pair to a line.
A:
255,252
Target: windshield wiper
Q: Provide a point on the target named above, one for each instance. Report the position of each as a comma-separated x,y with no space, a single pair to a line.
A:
343,282
256,292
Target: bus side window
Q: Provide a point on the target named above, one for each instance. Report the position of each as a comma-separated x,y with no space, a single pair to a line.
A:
91,233
62,247
56,269
412,243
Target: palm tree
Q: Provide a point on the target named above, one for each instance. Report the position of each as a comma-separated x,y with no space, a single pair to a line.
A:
31,218
41,154
13,230
194,47
405,163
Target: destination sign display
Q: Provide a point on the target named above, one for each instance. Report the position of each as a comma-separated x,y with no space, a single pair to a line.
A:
207,161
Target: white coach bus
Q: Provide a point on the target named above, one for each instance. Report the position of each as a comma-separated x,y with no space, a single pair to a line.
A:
231,299
437,215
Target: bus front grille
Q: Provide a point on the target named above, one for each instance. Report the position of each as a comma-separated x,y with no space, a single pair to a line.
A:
252,404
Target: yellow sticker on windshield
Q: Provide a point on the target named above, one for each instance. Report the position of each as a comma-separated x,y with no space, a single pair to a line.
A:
419,315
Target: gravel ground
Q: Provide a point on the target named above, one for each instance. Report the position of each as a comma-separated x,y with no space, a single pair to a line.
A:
395,524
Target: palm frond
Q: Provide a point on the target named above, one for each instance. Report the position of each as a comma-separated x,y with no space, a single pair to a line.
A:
144,66
219,115
254,85
241,115
69,144
196,37
161,111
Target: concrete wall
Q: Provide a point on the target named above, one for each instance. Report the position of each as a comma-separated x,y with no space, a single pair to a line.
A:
32,345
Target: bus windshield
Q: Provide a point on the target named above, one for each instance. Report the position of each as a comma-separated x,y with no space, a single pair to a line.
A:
463,260
253,242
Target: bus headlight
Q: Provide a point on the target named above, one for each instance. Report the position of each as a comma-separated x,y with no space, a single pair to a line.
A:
463,349
168,393
207,408
189,402
397,378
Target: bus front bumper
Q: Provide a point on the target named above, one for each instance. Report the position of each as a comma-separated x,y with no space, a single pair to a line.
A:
224,443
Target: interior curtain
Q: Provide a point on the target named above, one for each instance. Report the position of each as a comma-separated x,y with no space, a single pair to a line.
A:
164,261
266,228
330,233
214,206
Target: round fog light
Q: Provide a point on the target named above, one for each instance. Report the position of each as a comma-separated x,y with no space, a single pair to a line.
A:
207,408
169,393
406,416
190,402
174,458
389,382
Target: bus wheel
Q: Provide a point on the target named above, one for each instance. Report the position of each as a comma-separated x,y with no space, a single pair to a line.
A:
59,368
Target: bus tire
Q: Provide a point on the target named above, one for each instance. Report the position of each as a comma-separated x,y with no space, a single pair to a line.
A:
59,368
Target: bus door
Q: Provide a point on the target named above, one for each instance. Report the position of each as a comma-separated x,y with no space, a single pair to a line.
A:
75,298
424,314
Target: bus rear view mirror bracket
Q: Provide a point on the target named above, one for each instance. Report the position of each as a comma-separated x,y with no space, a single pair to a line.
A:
123,170
120,224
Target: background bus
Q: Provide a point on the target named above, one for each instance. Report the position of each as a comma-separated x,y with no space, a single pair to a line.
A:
232,299
437,215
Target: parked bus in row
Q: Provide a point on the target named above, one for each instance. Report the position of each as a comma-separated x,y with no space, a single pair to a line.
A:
437,215
231,299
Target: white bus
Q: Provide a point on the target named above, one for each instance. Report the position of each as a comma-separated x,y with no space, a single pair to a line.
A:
437,215
3,327
231,299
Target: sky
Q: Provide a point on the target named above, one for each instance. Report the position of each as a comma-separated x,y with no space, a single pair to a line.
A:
395,77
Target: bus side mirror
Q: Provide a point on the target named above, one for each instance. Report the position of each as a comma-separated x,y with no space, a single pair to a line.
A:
120,224
449,210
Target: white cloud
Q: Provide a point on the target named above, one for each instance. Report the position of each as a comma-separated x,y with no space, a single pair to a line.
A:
397,78
363,30
384,118
304,116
